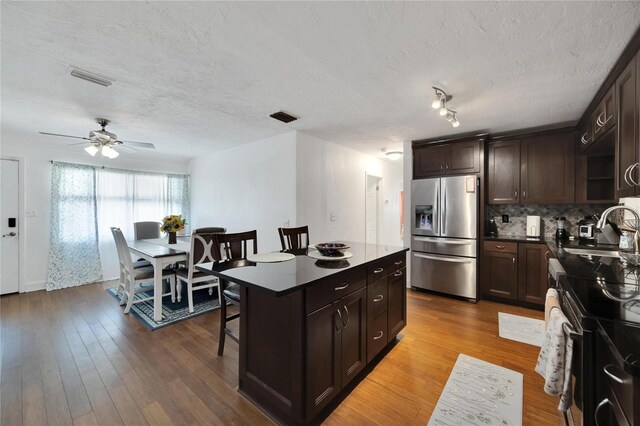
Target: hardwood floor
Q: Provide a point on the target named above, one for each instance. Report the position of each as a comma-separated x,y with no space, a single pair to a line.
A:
72,357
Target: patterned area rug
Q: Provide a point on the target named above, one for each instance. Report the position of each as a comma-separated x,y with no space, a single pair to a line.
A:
479,393
171,312
521,329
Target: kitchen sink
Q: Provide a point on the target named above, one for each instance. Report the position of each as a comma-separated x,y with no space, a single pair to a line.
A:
592,252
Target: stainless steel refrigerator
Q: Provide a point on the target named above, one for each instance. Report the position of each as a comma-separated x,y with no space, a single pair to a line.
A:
445,235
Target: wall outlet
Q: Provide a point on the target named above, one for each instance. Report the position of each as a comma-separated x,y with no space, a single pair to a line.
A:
505,218
286,223
32,213
333,217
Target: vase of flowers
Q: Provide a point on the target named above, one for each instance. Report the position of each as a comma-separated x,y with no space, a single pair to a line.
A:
172,224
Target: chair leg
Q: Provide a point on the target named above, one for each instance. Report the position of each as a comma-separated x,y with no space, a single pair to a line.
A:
172,283
179,290
131,296
190,296
223,318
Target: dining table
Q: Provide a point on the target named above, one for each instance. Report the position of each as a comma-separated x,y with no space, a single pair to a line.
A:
160,253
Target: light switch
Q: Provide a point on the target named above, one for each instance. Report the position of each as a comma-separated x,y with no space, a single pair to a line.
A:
32,213
286,223
333,217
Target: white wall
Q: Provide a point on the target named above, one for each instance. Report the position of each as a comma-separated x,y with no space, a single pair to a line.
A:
252,186
36,153
331,180
408,175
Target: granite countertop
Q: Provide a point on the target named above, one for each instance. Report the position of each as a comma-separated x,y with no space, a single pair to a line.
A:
517,239
282,278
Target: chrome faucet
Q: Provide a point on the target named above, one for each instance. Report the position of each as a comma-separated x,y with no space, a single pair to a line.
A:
603,221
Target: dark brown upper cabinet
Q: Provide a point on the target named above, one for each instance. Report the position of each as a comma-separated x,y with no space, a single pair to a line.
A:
448,158
504,172
604,116
627,141
532,170
547,169
585,135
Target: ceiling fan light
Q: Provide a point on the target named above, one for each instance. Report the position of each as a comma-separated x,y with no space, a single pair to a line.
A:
92,150
109,152
394,155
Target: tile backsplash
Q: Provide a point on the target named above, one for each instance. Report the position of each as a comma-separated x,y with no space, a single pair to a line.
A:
518,217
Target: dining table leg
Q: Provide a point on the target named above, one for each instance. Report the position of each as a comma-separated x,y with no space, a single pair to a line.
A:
157,290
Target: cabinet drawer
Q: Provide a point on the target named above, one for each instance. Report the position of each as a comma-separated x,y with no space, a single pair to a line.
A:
501,246
377,298
383,267
376,336
334,288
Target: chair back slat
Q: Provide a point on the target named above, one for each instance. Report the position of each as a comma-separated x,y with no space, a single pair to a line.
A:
294,238
146,230
203,246
235,246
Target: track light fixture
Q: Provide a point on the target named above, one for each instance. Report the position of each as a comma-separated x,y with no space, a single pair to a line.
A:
440,103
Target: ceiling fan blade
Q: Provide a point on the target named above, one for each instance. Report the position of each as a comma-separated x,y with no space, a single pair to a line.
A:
140,144
127,147
64,136
79,143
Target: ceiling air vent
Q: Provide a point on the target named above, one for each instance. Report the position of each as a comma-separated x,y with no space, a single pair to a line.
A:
92,77
283,116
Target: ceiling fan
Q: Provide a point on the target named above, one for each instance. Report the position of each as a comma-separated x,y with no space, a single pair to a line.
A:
101,140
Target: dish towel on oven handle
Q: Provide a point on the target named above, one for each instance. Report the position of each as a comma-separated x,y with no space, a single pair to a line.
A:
554,361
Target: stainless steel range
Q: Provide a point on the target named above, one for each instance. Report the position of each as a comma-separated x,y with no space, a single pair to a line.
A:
444,241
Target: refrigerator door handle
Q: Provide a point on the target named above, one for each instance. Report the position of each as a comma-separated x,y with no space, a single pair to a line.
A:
437,241
443,216
443,259
436,210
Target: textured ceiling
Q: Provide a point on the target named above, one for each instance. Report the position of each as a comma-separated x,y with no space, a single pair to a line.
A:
193,77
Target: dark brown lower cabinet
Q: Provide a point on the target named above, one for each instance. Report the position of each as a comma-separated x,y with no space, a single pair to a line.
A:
397,303
354,335
515,272
501,274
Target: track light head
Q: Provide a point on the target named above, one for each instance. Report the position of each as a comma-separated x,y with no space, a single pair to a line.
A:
455,122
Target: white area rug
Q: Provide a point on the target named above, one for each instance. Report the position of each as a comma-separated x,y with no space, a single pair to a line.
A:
479,393
521,329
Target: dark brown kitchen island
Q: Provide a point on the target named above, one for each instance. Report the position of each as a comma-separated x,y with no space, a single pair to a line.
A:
309,327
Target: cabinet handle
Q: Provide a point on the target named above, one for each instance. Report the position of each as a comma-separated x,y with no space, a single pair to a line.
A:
611,375
515,193
379,336
599,120
377,271
524,194
398,274
342,287
399,262
598,408
513,260
583,139
340,323
546,256
631,177
500,247
441,167
447,166
378,298
346,311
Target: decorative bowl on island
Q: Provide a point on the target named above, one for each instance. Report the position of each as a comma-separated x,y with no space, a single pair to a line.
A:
332,249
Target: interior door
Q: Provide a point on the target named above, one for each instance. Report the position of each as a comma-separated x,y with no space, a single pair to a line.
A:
9,208
459,207
425,199
371,209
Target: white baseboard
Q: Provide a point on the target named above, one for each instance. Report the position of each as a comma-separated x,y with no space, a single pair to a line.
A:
33,286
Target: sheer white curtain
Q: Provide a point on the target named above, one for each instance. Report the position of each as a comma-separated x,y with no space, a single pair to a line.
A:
86,201
125,197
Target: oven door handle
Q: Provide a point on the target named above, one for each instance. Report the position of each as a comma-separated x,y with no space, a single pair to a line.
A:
570,331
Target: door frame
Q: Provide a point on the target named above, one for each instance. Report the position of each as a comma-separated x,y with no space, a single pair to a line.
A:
21,219
368,175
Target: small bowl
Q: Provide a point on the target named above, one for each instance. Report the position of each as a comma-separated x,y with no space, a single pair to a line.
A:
631,258
332,249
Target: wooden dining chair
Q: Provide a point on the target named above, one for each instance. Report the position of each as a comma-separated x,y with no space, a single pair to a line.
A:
130,276
146,230
294,238
232,247
202,249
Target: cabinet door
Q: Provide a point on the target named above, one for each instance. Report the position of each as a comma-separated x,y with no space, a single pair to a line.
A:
532,276
463,157
598,119
585,135
504,172
377,295
428,161
397,303
609,106
547,169
354,334
324,351
501,274
627,140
